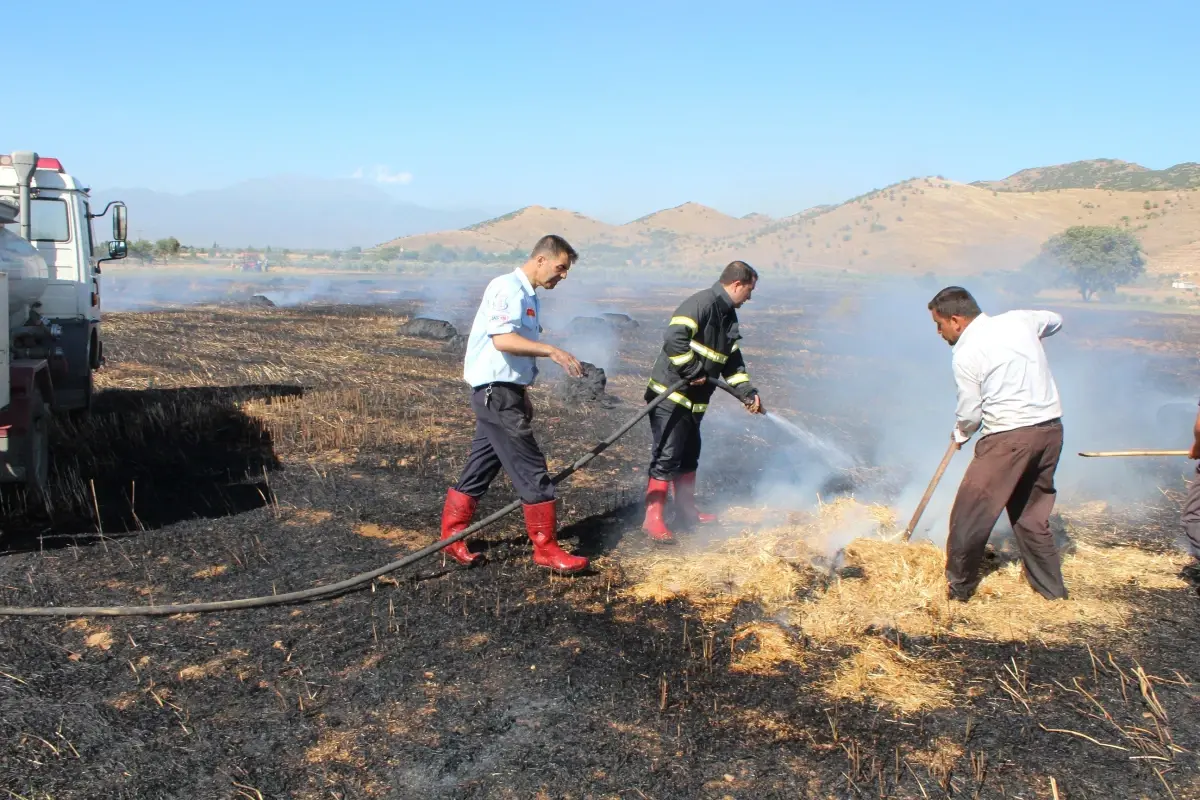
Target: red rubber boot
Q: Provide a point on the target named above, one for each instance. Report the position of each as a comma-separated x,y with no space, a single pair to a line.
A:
541,523
456,515
685,500
656,500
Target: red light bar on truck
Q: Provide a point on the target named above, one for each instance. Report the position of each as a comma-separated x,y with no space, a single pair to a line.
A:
42,163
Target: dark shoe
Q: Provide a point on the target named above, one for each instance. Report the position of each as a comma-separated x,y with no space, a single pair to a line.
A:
957,596
541,523
656,500
685,500
457,513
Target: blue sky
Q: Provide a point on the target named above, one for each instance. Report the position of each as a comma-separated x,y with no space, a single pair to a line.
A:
614,109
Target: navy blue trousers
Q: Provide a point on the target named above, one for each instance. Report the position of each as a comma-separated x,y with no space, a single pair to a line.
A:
504,440
676,432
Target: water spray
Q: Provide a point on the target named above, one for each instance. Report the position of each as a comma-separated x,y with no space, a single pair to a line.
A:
831,454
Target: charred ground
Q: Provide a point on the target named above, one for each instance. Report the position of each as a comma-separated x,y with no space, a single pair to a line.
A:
239,452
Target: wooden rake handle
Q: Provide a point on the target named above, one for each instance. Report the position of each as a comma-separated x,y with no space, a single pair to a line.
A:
937,477
1126,453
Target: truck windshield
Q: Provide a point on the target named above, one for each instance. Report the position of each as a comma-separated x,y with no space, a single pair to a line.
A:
48,221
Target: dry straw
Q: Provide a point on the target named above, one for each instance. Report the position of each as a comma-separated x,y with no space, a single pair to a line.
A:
839,577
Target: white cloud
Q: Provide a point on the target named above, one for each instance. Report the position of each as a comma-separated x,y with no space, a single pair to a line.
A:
381,174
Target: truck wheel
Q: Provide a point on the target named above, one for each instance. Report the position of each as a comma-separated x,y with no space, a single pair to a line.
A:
89,391
80,414
37,447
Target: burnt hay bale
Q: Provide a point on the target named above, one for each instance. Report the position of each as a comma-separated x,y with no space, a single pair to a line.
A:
622,321
588,388
426,328
589,326
607,323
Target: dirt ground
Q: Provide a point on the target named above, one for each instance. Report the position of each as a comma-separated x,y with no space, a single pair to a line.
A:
240,452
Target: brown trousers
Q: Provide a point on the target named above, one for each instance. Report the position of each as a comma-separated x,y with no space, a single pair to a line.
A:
1013,471
1191,516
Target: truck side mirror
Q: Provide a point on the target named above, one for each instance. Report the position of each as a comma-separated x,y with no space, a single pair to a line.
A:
117,250
120,226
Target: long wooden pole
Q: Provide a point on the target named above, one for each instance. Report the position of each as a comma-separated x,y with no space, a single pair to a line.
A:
1124,453
937,477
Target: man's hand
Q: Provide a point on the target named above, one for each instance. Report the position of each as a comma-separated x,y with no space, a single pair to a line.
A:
567,362
755,406
1194,453
958,438
698,382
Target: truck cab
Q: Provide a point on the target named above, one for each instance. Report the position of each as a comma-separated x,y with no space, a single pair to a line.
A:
59,226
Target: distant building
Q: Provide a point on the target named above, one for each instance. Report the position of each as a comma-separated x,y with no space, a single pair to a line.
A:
1183,285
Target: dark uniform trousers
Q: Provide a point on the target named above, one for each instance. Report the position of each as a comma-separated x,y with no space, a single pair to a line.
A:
676,433
1013,471
504,439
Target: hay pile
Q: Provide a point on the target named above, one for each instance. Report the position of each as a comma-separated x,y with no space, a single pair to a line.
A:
841,578
768,566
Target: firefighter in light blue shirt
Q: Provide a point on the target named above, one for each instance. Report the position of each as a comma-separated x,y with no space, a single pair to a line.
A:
500,364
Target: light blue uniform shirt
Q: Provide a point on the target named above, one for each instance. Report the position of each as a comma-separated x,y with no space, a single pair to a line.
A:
509,305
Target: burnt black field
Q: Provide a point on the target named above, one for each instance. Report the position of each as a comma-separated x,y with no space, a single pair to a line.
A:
239,451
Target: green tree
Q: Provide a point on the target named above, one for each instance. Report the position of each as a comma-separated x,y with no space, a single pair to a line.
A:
1094,258
142,250
388,253
166,248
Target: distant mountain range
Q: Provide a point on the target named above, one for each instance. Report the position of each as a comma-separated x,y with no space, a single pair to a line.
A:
1100,173
282,212
915,226
923,224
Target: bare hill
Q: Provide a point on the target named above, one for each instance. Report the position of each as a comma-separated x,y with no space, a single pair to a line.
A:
696,220
938,225
917,226
520,229
1100,173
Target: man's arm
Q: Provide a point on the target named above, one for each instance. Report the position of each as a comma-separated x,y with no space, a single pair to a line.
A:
735,374
1195,453
677,341
1046,323
969,412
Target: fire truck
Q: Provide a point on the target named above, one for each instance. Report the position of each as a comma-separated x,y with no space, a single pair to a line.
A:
50,283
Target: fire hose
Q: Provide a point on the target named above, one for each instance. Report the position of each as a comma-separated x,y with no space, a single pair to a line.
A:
351,583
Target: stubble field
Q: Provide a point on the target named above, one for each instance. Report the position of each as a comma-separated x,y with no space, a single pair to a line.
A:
237,452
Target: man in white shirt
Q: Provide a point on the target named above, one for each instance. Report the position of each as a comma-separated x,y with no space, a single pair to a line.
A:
1007,394
1191,511
500,365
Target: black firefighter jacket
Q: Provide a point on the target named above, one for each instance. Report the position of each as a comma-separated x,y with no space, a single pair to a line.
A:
702,339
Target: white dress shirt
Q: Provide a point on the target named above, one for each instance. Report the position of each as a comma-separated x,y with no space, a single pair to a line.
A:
509,305
1003,378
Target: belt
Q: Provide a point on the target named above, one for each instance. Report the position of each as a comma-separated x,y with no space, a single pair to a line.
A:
516,387
1050,423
